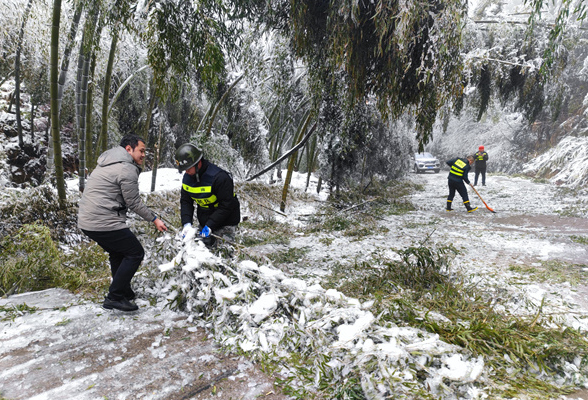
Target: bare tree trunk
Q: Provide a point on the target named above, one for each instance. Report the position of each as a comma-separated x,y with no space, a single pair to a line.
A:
62,78
79,74
150,108
310,160
332,176
4,79
280,140
291,162
50,154
299,159
156,156
83,56
102,142
90,159
10,102
60,182
67,52
86,52
32,122
82,124
363,170
17,72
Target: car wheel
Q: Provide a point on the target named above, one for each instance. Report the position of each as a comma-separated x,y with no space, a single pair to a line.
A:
416,170
437,171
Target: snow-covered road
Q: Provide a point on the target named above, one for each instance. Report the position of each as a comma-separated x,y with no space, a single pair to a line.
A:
73,349
532,223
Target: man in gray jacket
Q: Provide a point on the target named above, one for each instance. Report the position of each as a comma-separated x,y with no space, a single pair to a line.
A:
112,188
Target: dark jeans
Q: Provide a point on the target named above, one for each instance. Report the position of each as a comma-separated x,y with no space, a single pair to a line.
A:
125,253
478,172
458,186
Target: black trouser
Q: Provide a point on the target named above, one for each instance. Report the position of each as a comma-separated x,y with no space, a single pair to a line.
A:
458,186
478,172
125,254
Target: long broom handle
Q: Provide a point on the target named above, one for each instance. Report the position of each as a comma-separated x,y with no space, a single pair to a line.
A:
481,198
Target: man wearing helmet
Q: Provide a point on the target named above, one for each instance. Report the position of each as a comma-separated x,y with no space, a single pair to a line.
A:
212,189
481,157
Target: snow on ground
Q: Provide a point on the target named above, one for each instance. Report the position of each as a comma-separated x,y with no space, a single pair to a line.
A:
80,351
564,163
73,349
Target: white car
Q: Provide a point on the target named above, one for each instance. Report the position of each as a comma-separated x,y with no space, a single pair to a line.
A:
426,162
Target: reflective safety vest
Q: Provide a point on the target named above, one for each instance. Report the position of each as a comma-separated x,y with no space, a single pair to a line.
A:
201,192
458,167
480,156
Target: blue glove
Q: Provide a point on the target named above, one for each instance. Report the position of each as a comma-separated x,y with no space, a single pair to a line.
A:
206,231
186,229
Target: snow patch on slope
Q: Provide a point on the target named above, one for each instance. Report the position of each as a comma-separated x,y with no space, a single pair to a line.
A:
566,163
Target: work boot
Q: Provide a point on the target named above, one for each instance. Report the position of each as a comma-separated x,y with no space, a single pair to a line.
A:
122,304
469,207
209,241
449,205
130,294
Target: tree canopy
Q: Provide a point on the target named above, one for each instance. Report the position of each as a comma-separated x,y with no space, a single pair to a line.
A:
405,54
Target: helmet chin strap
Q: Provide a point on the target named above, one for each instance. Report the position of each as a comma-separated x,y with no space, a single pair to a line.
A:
196,174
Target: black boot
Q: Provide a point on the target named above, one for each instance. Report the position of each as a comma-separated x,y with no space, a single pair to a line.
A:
469,207
449,205
122,304
209,241
130,294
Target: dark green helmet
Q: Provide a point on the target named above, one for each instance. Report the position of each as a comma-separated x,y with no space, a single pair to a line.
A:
187,155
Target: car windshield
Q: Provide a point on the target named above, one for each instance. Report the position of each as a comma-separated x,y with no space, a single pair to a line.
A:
423,155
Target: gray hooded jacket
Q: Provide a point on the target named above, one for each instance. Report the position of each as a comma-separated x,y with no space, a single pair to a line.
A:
112,188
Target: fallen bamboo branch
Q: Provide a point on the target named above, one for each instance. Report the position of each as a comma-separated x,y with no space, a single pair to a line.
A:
358,205
271,209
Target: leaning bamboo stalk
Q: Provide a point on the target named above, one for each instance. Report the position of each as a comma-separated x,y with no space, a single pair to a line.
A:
218,105
292,162
122,86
